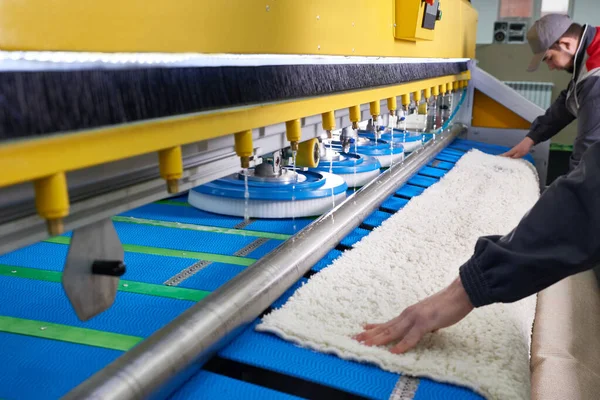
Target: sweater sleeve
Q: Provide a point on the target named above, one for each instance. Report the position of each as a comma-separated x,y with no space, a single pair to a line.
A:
553,121
558,237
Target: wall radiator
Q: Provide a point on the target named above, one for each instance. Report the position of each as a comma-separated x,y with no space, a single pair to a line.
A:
539,93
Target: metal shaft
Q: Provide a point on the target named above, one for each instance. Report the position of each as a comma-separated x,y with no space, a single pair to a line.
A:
196,335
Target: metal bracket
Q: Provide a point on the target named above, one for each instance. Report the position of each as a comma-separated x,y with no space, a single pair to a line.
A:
93,267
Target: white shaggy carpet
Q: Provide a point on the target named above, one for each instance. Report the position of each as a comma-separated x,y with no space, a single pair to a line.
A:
412,255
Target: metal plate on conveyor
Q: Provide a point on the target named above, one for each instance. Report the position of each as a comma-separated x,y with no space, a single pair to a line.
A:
89,293
405,389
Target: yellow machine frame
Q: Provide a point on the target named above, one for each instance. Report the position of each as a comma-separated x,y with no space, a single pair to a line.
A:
331,27
328,27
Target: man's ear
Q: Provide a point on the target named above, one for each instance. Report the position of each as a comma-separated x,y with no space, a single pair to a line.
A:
568,44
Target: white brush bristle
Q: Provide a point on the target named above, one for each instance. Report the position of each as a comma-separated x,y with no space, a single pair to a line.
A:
264,208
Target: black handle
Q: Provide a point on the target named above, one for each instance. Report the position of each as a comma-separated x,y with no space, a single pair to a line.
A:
111,268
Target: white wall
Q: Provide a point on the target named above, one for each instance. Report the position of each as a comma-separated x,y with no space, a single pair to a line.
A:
488,14
586,12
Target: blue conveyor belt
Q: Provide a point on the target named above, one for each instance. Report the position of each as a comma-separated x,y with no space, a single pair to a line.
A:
285,226
376,219
183,213
146,268
393,204
265,248
211,386
212,276
354,237
422,181
156,236
270,352
409,191
131,314
34,368
327,260
38,368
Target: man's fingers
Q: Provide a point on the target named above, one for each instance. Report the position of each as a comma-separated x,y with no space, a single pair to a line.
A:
509,153
391,332
409,341
370,331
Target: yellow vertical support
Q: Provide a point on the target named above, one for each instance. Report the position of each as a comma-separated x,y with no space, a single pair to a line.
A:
392,104
355,116
170,164
244,147
375,109
427,93
435,91
405,100
328,121
52,201
417,96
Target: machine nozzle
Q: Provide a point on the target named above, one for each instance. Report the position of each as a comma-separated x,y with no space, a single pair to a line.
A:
55,226
243,147
245,161
173,186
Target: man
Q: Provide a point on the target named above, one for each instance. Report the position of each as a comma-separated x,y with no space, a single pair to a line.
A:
559,237
567,46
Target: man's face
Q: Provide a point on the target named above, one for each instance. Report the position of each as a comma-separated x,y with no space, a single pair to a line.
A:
561,56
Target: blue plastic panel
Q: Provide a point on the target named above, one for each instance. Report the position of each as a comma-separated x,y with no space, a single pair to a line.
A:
442,164
327,260
433,172
187,215
354,237
212,276
376,219
40,369
131,314
454,151
210,386
394,204
410,191
423,181
448,157
270,352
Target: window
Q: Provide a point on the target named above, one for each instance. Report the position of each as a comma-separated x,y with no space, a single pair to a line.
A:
554,7
516,8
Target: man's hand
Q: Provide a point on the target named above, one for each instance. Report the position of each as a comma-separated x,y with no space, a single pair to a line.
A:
441,310
520,150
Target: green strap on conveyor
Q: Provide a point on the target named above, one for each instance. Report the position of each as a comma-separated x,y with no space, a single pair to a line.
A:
202,228
65,333
149,289
132,248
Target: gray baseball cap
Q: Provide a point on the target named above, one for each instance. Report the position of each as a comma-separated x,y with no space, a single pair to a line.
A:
543,34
